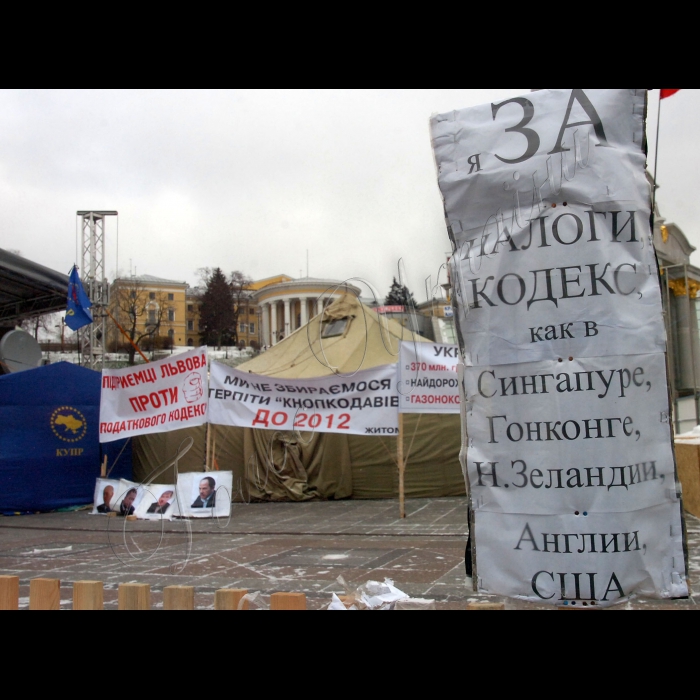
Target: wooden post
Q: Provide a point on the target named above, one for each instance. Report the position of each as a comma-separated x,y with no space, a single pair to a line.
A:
44,594
103,468
88,595
207,455
402,468
178,598
134,596
288,601
9,592
229,598
486,605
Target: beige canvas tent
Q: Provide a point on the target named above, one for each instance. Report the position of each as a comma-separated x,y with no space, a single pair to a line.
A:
292,466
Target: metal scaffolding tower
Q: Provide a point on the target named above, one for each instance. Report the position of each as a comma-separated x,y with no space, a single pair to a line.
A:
92,273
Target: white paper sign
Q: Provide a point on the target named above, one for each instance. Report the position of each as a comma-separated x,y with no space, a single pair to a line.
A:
158,397
158,502
576,560
556,295
428,378
128,497
365,403
548,207
580,435
105,498
205,495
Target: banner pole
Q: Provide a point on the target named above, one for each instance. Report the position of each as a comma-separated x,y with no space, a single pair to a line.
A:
656,164
402,468
207,456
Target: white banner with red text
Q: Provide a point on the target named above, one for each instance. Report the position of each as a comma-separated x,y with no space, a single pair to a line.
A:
364,403
155,398
428,378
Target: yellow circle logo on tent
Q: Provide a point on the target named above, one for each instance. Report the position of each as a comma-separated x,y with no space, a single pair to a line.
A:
68,424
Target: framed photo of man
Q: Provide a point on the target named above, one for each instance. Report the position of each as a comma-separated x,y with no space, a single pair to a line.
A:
158,502
205,495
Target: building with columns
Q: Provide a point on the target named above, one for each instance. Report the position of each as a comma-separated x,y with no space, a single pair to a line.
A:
286,306
680,290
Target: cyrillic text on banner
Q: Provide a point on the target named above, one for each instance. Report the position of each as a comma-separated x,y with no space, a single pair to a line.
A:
365,403
548,206
428,378
570,464
158,397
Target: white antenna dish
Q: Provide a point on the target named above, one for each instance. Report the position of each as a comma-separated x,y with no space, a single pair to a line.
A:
18,351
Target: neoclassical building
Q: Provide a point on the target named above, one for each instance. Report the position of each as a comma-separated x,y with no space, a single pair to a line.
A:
288,305
680,288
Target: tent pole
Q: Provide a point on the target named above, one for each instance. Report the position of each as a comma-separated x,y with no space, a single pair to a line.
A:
402,467
207,455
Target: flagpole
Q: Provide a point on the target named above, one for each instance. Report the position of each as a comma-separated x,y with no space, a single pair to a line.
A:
656,159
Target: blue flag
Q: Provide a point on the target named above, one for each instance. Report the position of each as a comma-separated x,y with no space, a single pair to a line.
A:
78,303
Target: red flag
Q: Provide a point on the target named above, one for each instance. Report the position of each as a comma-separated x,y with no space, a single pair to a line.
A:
667,92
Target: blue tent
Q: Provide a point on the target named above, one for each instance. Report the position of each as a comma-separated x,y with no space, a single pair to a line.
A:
50,455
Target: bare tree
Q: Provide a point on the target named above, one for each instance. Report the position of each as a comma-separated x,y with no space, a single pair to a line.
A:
141,313
45,323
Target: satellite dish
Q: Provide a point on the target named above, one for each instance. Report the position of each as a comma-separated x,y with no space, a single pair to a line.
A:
18,351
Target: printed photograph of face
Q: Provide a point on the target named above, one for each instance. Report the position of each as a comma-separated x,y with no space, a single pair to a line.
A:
127,505
158,502
104,501
205,493
163,503
128,495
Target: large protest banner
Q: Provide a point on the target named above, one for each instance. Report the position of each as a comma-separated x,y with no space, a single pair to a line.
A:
158,397
570,464
365,403
428,378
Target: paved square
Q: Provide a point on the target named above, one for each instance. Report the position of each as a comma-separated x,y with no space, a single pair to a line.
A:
268,547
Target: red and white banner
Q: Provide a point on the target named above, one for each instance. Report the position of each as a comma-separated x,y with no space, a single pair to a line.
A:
365,403
428,378
155,398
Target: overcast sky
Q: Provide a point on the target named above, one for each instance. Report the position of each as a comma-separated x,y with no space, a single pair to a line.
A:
250,179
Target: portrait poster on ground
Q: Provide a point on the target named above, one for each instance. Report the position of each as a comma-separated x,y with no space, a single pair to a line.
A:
428,378
205,495
158,502
364,403
570,464
158,397
106,492
127,497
